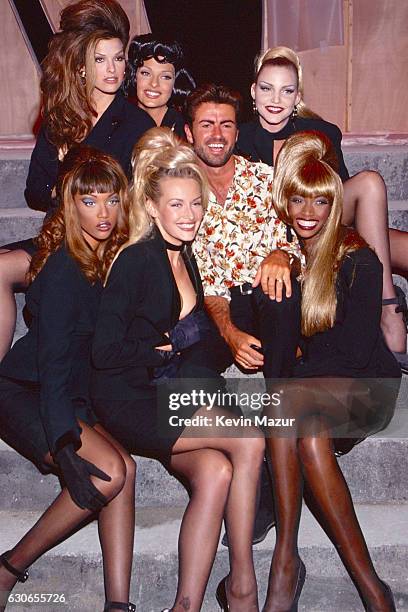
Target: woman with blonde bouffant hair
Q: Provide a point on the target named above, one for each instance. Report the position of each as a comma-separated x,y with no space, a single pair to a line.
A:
280,111
45,409
82,102
151,314
349,378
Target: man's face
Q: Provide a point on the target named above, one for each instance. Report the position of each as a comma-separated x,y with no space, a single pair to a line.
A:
213,133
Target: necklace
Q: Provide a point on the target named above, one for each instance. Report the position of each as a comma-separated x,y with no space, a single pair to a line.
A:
174,247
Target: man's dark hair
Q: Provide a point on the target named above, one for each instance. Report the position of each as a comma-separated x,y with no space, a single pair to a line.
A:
218,94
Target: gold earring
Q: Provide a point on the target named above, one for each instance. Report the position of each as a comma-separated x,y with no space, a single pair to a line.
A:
82,73
254,107
295,112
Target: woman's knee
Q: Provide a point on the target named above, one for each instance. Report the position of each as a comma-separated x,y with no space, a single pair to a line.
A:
115,467
369,183
313,451
14,266
213,472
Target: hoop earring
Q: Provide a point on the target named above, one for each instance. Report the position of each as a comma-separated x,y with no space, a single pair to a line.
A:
254,107
295,112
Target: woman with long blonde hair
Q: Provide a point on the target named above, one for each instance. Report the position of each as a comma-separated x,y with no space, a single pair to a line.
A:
45,409
151,314
277,91
334,405
82,102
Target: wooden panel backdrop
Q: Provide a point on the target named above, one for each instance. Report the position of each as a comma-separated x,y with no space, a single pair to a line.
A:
20,99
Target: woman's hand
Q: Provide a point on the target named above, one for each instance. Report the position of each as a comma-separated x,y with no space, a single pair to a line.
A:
76,473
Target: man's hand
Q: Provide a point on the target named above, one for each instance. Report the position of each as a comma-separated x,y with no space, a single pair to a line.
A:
241,345
273,274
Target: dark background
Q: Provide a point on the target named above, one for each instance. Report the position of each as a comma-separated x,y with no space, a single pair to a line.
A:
220,37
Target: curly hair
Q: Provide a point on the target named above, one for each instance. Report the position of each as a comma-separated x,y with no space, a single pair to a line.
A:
84,170
147,46
211,92
66,99
304,167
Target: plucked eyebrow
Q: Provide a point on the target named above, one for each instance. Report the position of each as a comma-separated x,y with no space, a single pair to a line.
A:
271,85
104,55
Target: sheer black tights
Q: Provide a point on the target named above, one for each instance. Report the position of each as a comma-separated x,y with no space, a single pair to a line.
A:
63,517
310,462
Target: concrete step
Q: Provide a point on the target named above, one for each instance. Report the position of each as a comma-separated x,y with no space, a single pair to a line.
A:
376,470
74,567
391,160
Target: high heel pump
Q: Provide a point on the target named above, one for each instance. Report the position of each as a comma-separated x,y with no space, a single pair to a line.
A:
299,586
119,605
221,595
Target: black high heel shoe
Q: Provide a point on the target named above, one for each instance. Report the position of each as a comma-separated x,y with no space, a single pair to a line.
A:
119,605
221,595
299,586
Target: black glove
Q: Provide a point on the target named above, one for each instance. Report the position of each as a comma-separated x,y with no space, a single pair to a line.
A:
76,474
187,331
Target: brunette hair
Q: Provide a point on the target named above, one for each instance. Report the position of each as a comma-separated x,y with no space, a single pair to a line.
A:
66,105
304,167
218,94
147,46
284,56
158,154
84,170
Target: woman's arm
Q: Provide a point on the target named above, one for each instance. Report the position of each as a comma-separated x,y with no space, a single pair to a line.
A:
42,174
58,313
124,336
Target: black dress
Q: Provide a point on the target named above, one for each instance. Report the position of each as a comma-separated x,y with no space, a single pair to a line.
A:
257,143
44,378
140,303
354,350
115,133
173,120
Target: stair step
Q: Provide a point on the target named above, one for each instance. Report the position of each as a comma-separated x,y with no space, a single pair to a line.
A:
376,471
19,224
74,567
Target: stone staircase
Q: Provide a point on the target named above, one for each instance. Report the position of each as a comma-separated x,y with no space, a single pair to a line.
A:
377,472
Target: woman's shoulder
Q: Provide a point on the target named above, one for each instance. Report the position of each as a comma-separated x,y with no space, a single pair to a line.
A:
131,114
320,125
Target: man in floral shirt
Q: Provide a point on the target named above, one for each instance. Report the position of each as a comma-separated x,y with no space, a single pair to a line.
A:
242,248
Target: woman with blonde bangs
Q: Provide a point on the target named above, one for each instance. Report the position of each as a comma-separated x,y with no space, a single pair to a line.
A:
82,102
151,314
45,410
349,378
277,92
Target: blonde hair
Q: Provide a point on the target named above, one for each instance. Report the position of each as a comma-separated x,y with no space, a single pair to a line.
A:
158,154
284,56
304,167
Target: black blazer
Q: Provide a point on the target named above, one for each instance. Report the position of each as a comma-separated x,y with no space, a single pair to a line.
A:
354,347
257,143
115,133
55,352
139,304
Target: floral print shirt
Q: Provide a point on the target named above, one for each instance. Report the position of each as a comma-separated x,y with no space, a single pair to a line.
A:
234,238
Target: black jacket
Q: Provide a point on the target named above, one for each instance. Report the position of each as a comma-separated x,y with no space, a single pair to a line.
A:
115,133
140,303
55,352
257,143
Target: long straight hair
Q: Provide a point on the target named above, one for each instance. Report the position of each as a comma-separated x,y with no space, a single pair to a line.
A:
304,167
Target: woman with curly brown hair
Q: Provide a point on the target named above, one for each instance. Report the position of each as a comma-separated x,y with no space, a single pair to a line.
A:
82,102
45,411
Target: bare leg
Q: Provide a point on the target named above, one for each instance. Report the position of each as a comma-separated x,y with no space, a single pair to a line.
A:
246,456
365,206
63,516
209,474
13,269
332,504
